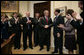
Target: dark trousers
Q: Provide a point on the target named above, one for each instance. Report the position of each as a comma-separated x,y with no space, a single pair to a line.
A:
36,37
27,33
58,42
81,44
17,39
45,40
81,48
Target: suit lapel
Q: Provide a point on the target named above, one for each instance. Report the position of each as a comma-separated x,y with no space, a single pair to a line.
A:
57,18
25,19
13,19
44,19
29,18
48,20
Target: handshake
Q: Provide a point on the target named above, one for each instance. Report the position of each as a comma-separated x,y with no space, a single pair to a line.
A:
46,26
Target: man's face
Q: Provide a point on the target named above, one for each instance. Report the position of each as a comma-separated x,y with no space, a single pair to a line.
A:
27,14
15,15
56,13
37,15
46,13
80,6
2,18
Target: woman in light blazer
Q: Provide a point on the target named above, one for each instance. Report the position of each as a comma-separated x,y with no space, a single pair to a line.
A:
70,41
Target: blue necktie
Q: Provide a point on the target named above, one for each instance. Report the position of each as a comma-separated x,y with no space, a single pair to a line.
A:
28,24
55,20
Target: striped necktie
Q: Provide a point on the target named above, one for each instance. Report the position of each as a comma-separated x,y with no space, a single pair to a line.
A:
47,20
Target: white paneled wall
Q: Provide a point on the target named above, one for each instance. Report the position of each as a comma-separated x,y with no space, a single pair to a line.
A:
23,7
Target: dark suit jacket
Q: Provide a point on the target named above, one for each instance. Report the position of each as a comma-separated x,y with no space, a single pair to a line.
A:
4,30
59,20
36,26
76,24
25,25
43,23
80,28
16,27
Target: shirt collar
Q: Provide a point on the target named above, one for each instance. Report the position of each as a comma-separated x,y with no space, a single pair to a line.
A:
46,17
15,18
27,18
57,15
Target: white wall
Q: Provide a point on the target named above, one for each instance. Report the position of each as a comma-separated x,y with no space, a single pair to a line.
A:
23,7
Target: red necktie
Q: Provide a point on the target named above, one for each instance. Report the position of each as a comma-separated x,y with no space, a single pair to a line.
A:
47,20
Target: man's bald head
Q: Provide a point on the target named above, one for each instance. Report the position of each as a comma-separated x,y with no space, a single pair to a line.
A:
46,12
27,14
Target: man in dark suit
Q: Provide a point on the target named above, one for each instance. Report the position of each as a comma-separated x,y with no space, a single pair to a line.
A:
15,22
27,30
4,27
45,30
78,24
36,29
58,32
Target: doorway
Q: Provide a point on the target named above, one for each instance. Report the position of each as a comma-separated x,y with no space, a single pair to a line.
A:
40,7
